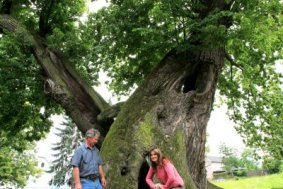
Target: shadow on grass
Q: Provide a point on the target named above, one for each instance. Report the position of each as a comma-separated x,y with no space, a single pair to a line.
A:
212,186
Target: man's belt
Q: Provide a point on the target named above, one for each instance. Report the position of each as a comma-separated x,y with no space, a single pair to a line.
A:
90,177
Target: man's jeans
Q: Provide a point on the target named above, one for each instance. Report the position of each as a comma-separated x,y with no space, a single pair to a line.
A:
90,184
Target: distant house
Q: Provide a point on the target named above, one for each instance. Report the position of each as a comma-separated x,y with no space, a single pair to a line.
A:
42,182
213,164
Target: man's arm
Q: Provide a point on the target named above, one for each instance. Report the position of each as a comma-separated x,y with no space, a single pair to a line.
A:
76,174
102,176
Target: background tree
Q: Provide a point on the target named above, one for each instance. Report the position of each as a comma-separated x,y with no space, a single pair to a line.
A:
248,160
230,160
16,167
70,138
174,53
238,165
272,165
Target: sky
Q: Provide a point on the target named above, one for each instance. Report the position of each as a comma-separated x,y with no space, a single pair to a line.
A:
221,130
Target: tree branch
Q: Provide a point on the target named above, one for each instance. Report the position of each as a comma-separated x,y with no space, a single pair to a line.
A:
81,102
232,62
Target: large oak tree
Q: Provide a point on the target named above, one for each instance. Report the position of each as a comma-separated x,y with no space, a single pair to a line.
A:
174,53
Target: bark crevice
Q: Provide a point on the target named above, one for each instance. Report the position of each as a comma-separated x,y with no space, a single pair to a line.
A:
142,175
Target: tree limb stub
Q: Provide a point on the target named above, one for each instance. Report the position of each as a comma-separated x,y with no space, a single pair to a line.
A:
110,113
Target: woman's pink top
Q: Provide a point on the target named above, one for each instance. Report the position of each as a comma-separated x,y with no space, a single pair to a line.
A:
167,175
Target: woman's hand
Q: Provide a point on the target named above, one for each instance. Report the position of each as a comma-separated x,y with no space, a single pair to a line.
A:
158,186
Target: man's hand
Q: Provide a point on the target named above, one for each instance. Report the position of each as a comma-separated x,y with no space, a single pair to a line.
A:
78,185
103,181
101,175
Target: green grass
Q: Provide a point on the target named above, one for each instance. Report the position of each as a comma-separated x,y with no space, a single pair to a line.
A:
212,186
264,182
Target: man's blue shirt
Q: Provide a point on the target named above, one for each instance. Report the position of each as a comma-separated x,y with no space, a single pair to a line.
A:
87,160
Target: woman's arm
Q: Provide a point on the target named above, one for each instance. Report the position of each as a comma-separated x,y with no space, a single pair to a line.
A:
171,177
149,177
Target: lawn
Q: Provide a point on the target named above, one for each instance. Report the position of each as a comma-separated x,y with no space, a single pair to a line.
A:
264,182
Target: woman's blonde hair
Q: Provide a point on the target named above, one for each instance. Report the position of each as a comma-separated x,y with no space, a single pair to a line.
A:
160,156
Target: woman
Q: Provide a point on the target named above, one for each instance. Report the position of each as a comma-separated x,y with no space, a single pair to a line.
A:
164,170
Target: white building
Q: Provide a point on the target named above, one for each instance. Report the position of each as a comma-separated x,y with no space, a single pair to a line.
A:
42,182
213,164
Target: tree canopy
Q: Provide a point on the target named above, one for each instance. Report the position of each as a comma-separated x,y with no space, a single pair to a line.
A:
128,32
127,40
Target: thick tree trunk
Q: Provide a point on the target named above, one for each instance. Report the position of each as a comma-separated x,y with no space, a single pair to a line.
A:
170,110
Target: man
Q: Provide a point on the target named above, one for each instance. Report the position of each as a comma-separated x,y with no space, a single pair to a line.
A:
87,163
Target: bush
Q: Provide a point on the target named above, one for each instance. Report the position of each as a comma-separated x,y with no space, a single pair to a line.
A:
240,173
281,167
272,165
